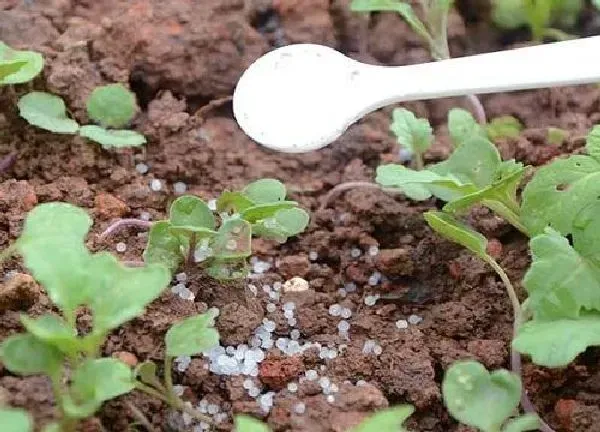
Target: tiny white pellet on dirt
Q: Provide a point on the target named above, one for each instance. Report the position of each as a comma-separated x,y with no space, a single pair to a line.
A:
402,324
311,375
277,286
350,287
288,314
377,350
253,289
271,307
156,185
292,387
405,155
180,188
292,321
414,319
300,408
355,252
142,168
295,284
331,398
371,300
295,334
181,277
248,384
342,292
213,409
368,346
335,310
178,390
212,204
121,247
289,306
373,250
312,255
343,326
145,216
361,383
346,313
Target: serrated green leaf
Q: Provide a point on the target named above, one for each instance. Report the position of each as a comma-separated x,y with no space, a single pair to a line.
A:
191,212
524,423
411,132
265,191
26,355
111,138
404,9
111,105
262,211
560,282
53,250
31,62
99,380
244,423
193,335
450,228
462,126
46,111
390,419
592,143
557,343
504,127
558,192
15,420
477,398
233,202
119,293
233,240
54,331
164,247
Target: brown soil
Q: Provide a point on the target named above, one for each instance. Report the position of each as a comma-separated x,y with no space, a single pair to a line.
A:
180,55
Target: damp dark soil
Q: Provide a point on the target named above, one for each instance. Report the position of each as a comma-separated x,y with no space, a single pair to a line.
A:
178,56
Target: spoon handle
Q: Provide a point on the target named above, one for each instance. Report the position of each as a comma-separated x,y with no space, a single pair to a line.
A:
556,64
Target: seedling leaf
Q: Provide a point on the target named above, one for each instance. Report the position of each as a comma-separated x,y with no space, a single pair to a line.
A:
163,246
286,223
191,212
233,202
524,423
404,9
46,111
110,138
504,127
244,423
462,126
31,64
265,191
233,240
9,67
450,228
193,335
574,283
556,343
119,293
592,144
26,355
52,330
390,419
15,420
480,399
111,105
411,132
262,211
99,380
147,372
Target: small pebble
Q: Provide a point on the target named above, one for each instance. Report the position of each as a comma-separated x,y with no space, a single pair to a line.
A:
179,188
346,313
312,255
373,251
331,398
156,185
335,310
121,247
355,252
271,307
402,324
414,319
181,277
145,216
142,168
311,374
377,350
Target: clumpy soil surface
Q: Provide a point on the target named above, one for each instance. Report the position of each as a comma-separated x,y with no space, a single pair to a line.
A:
178,56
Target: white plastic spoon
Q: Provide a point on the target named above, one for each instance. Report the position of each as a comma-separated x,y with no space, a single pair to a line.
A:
302,97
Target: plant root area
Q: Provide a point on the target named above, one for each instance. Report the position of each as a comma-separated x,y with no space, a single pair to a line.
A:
414,302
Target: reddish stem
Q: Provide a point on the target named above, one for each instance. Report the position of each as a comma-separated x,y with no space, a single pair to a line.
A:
124,223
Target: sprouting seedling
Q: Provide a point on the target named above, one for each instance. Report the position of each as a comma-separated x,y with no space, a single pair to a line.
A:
15,420
46,111
112,106
485,400
414,134
53,250
539,16
473,174
191,236
433,30
18,67
389,419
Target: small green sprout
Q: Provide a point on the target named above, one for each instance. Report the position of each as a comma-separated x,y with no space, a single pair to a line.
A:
15,420
192,234
18,67
504,127
539,16
485,400
389,419
473,174
46,111
556,136
414,134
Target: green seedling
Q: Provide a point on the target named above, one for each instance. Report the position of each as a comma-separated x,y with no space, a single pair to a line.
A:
462,125
538,15
18,67
15,420
389,419
414,134
432,29
222,245
473,174
53,250
503,127
111,106
556,136
485,400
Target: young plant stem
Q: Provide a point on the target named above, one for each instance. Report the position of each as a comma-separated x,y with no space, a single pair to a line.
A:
174,402
169,376
418,159
67,424
140,417
515,357
124,223
342,187
189,262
